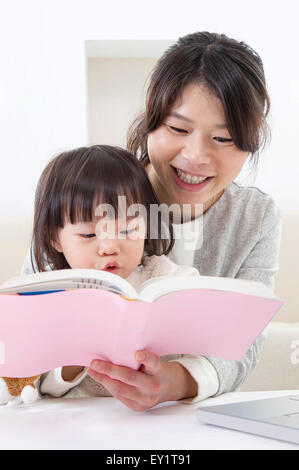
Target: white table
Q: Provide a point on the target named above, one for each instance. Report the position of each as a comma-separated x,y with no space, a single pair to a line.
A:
105,423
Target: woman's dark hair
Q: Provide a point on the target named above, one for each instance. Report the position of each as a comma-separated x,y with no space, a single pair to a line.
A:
228,69
74,183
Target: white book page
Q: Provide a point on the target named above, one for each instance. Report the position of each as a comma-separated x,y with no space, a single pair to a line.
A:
69,279
155,288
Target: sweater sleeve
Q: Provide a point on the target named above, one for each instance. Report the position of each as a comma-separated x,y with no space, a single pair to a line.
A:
52,383
204,374
260,265
215,376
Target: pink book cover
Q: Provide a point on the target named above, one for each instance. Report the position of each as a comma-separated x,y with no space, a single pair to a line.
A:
41,332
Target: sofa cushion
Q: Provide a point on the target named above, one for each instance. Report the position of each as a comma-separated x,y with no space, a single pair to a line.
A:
278,368
286,279
15,235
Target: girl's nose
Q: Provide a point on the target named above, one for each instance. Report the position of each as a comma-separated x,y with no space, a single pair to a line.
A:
108,248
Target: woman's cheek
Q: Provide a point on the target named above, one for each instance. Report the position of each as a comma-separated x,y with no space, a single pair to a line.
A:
231,167
158,146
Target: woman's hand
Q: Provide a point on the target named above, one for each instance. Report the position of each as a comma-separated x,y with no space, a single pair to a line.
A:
155,381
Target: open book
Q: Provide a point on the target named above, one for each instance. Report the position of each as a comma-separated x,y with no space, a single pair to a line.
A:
69,317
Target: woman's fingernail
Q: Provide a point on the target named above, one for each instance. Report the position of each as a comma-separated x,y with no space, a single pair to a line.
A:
95,365
140,356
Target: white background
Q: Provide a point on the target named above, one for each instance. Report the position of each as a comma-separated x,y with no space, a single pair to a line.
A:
43,77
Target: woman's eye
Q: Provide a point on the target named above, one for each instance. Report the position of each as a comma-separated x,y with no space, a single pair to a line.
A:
87,235
178,130
223,139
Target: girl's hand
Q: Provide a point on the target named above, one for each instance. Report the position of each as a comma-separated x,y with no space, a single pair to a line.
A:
155,381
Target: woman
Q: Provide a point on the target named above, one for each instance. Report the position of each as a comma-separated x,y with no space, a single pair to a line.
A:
205,115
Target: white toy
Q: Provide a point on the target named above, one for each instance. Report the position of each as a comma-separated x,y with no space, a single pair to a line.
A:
14,391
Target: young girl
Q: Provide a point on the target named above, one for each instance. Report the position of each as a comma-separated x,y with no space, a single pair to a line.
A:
67,233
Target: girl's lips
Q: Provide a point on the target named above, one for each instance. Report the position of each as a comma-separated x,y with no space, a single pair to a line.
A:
187,186
111,268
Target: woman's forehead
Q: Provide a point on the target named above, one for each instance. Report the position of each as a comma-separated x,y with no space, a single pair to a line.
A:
196,101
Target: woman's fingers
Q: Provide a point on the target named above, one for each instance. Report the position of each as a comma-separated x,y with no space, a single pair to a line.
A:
116,387
123,374
139,390
151,362
131,396
151,366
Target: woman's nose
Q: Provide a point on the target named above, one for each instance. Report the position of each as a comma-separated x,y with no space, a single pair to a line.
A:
197,150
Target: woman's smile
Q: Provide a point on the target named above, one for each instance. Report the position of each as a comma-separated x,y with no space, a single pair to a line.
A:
190,181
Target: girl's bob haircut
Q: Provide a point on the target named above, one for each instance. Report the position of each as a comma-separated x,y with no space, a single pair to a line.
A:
74,183
228,69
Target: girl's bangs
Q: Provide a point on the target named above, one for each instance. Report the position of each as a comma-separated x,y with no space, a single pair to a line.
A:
85,204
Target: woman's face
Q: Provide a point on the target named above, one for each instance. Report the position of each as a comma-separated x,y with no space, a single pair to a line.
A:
192,155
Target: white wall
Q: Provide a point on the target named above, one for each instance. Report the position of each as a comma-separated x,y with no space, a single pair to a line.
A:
43,80
116,91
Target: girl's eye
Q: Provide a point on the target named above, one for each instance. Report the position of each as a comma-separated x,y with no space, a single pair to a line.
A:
87,235
126,232
178,130
223,139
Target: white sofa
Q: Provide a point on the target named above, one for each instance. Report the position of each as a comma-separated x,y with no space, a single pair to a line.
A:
277,369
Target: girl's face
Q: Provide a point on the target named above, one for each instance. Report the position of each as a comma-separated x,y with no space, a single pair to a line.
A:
115,246
192,155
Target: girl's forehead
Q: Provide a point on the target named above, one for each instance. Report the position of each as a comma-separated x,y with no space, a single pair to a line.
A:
119,198
88,204
91,223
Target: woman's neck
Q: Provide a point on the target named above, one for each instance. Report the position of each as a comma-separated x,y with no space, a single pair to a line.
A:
212,201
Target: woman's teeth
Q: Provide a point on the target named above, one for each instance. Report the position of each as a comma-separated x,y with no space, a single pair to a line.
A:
189,178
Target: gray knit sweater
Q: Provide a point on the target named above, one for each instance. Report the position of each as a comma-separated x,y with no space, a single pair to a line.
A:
240,239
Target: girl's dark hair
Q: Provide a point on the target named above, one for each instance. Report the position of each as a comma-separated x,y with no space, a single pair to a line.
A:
230,70
74,183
